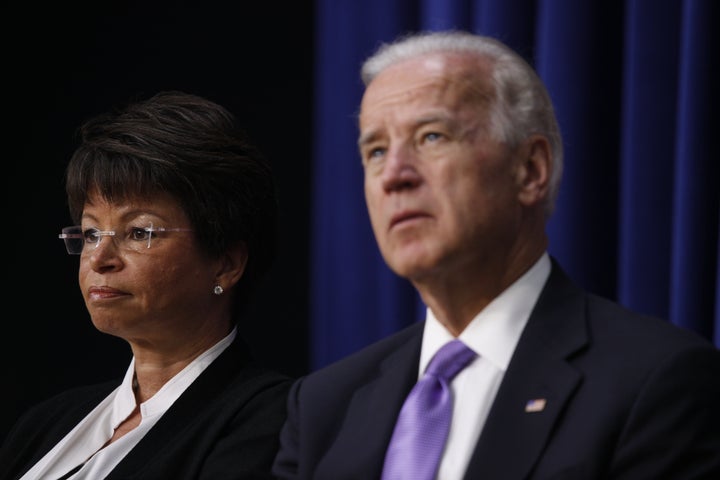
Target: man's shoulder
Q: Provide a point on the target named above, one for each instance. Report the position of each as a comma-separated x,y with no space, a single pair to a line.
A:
615,322
357,366
609,321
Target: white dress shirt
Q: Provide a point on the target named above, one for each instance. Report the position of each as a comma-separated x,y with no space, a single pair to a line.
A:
84,443
493,335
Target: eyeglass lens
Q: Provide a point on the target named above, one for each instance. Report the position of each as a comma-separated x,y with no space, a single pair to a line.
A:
134,239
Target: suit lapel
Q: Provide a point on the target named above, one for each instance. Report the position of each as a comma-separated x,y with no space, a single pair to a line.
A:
517,431
372,411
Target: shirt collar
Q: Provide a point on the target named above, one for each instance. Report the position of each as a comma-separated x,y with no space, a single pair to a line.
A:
124,401
496,329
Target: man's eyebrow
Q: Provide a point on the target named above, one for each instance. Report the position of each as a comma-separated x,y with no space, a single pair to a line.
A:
368,137
430,119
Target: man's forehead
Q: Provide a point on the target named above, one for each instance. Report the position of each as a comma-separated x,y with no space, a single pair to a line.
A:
436,74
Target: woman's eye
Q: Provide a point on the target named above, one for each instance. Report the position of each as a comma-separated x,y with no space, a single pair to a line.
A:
140,233
90,235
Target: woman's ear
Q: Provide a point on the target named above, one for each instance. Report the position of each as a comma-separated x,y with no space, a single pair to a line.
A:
232,265
533,173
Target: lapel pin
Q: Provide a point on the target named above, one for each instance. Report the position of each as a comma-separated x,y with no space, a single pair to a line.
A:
535,405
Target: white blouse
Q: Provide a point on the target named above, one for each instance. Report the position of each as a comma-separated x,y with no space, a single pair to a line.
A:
84,444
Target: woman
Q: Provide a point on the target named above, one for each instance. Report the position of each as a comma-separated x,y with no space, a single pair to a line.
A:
175,224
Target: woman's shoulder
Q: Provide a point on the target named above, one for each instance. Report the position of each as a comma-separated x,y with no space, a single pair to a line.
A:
72,399
47,421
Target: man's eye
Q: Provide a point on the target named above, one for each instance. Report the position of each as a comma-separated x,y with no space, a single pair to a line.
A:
376,152
140,233
373,154
432,136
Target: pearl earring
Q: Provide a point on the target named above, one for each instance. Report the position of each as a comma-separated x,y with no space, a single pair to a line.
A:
218,290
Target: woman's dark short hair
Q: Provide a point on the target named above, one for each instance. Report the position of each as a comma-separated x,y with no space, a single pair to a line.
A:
195,150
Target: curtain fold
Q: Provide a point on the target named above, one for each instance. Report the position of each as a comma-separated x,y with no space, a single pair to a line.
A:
696,196
638,215
650,82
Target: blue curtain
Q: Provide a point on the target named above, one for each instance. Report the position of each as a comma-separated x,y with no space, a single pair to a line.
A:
635,84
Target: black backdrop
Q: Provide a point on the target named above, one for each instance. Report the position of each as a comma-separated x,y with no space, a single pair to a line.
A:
66,61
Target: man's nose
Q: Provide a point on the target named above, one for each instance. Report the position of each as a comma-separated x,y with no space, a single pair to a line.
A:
401,168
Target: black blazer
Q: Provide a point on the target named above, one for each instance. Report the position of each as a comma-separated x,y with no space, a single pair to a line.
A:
627,397
224,426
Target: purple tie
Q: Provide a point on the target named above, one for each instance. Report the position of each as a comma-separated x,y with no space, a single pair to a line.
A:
424,421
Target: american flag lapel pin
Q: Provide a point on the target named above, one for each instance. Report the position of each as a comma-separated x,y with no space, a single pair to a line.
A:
535,405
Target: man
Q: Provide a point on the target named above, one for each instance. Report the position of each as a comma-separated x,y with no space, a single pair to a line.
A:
463,158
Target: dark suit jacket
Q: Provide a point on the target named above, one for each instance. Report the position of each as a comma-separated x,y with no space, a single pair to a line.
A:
224,426
627,397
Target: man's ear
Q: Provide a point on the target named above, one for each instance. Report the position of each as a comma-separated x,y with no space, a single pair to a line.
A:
533,172
232,265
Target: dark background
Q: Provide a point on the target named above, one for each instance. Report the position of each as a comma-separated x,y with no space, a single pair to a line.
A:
67,61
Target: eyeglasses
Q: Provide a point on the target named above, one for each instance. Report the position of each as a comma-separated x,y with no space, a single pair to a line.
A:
134,239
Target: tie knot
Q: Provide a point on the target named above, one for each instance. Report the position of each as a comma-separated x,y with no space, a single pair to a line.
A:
450,359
